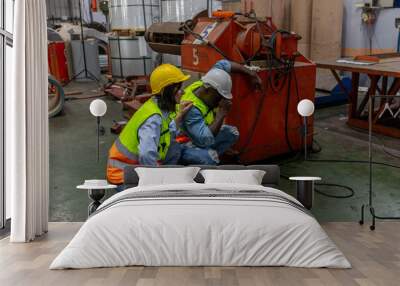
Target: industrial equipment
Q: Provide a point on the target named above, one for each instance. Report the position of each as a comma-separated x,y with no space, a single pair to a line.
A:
267,119
57,61
129,54
56,97
180,11
85,59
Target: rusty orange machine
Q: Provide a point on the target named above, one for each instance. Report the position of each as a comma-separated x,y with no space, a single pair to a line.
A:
267,119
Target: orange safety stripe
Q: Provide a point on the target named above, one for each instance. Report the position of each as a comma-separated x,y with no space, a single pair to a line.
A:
115,176
124,151
116,163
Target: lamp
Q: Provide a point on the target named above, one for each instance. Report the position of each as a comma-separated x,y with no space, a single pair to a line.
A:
306,109
98,108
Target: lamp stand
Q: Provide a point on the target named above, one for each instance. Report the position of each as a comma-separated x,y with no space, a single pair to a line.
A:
87,73
98,138
369,206
305,137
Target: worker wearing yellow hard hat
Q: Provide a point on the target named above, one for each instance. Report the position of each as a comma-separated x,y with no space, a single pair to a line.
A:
149,136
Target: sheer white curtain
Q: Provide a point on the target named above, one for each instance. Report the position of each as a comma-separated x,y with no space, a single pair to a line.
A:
27,148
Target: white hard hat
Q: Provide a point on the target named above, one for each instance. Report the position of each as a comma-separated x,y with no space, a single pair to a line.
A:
220,80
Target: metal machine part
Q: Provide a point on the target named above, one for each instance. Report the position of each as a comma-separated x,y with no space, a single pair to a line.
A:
165,38
129,56
179,11
267,120
251,37
56,97
133,14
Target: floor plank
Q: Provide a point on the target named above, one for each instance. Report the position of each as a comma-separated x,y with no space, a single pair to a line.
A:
375,257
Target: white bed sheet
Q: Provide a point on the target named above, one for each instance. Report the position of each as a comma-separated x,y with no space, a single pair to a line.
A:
200,232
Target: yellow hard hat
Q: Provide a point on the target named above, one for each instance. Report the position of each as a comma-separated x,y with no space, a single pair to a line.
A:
164,75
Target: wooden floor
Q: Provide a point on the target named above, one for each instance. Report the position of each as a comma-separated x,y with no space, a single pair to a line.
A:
375,257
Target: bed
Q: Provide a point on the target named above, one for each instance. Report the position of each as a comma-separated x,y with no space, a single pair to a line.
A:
197,224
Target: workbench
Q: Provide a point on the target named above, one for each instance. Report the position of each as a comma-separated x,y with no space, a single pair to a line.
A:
378,73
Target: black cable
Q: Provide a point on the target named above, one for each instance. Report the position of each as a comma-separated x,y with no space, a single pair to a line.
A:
338,185
387,152
284,71
341,161
383,146
353,162
314,151
335,196
351,190
287,115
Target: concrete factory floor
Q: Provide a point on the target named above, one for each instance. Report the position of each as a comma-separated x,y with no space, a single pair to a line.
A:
73,158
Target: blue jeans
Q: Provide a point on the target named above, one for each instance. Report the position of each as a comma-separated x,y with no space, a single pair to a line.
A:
120,188
172,158
174,153
193,155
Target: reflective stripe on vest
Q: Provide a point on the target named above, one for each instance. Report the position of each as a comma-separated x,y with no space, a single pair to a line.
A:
117,164
208,114
124,151
129,137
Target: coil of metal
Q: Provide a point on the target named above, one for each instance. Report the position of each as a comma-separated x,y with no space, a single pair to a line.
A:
130,56
137,15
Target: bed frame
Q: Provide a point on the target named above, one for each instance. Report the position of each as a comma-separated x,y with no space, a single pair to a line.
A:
271,177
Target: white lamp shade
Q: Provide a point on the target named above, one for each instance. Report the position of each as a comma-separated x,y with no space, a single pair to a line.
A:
305,108
98,108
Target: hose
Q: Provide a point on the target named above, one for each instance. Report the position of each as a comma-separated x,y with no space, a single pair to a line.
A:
351,190
383,146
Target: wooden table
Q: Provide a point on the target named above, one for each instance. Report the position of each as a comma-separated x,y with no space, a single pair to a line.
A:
357,115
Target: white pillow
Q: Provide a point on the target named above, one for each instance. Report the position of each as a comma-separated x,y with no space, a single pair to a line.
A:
248,177
166,176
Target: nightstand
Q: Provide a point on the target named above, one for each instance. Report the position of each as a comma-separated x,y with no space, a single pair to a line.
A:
96,191
305,190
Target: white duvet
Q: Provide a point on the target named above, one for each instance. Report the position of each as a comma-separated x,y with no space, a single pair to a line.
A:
206,231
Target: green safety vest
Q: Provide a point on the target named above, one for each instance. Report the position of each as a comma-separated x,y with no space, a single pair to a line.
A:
129,136
208,114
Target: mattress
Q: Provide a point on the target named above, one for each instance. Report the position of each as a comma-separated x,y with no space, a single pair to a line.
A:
201,225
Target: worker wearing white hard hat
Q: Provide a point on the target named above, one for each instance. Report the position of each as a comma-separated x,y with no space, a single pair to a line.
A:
220,81
204,134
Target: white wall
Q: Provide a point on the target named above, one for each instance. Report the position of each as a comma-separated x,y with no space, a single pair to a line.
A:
355,34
